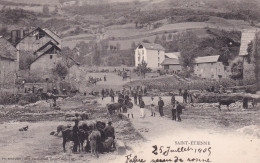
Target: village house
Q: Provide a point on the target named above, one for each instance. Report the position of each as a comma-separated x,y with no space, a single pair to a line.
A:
171,62
248,67
9,63
210,67
35,39
150,53
48,58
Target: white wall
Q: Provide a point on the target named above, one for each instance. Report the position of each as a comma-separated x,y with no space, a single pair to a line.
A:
153,58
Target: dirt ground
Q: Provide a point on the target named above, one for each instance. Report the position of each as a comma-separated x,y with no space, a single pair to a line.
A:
233,135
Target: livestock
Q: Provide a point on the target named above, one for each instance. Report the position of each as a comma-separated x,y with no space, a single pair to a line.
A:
60,128
106,145
94,139
24,128
113,107
67,135
226,102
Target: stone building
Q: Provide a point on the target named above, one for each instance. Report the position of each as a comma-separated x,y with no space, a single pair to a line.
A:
9,64
210,67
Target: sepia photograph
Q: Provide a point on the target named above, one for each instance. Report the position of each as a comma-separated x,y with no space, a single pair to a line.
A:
129,81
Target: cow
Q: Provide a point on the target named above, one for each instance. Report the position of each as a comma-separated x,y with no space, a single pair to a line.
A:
226,102
113,107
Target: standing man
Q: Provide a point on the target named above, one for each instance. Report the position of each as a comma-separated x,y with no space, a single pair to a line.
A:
174,110
140,97
135,97
245,102
179,110
185,95
112,95
103,93
142,106
75,132
105,78
173,100
152,107
161,104
130,108
109,131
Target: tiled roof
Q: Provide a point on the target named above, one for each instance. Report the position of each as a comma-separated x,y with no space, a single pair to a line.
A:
246,38
207,59
152,46
170,61
7,50
173,55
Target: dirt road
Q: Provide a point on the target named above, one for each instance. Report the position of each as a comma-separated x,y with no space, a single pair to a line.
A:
222,145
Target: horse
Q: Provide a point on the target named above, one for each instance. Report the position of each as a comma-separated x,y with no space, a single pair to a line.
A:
94,139
67,135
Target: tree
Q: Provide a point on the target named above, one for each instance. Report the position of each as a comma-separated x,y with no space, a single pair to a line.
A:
96,58
60,70
169,36
45,10
256,59
163,37
237,69
118,46
188,48
146,41
133,46
142,69
157,40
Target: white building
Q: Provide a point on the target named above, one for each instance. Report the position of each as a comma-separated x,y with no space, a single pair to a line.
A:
152,54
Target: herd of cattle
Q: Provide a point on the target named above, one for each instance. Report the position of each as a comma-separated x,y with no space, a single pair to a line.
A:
87,133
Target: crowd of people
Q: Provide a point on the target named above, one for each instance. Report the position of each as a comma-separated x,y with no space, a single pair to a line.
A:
137,93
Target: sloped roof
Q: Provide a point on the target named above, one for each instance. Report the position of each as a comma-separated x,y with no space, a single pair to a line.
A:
246,38
53,35
7,50
207,59
45,49
170,61
173,55
48,32
152,46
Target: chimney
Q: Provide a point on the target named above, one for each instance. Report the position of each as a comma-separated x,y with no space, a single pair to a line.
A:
14,36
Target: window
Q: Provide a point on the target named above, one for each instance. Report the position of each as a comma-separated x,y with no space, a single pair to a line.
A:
50,56
158,52
158,64
211,64
139,59
212,76
143,51
158,59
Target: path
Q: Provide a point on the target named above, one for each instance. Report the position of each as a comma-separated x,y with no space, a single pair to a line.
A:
162,131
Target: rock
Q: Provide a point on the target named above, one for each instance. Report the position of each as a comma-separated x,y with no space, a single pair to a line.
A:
120,147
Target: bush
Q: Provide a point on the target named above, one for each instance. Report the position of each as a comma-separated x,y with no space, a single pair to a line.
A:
8,99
